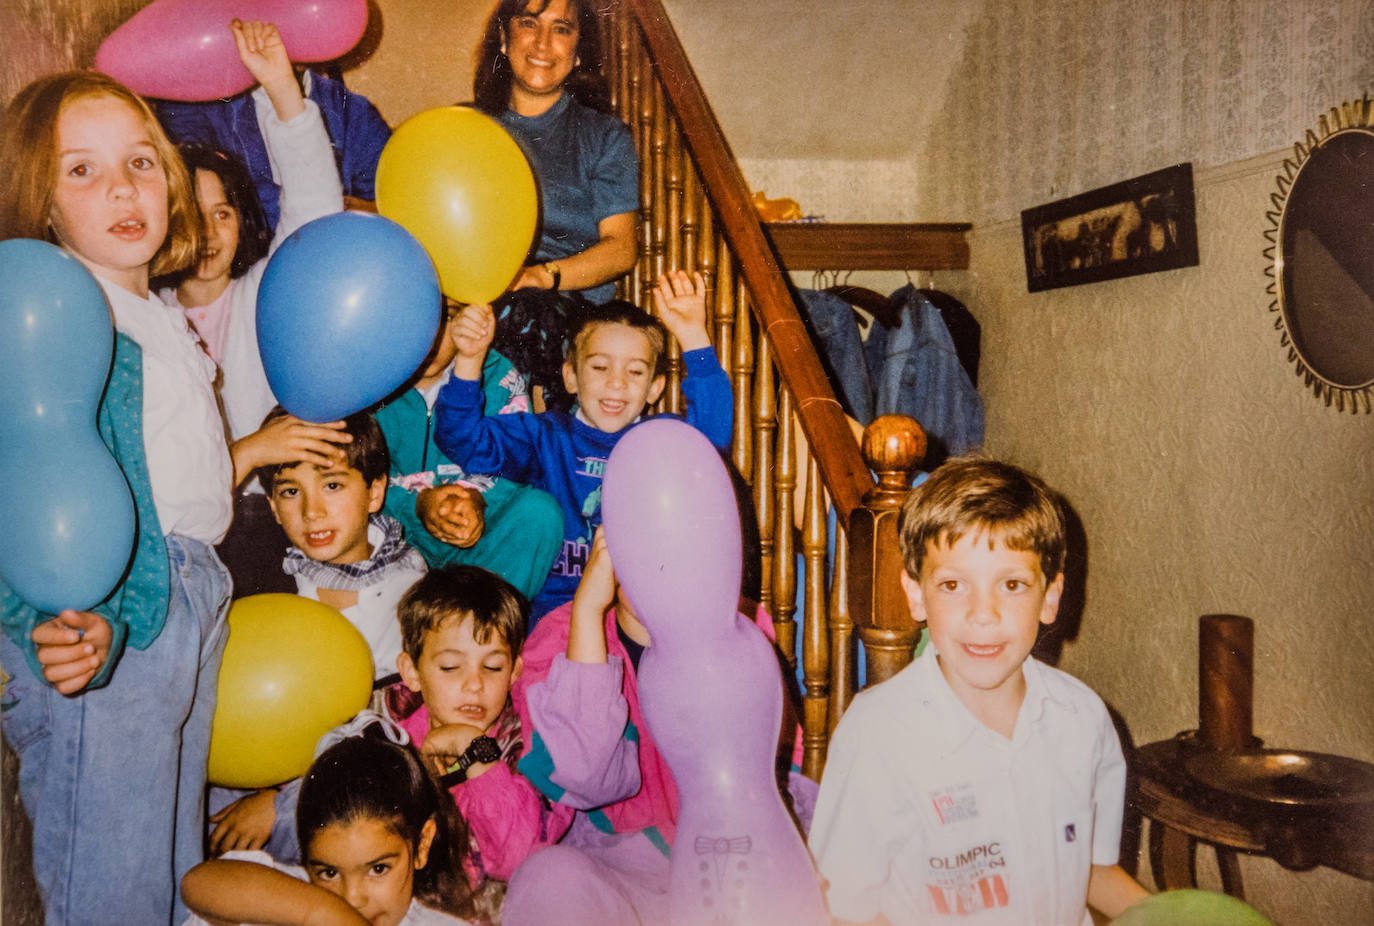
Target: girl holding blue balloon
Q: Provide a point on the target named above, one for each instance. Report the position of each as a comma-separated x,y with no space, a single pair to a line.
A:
110,700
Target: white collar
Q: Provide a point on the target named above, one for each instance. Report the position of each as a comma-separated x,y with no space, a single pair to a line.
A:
955,724
431,393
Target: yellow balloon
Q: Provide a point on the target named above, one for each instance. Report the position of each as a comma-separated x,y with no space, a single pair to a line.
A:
293,670
455,179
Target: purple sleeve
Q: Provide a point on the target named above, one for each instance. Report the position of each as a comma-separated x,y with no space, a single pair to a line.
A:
502,445
584,752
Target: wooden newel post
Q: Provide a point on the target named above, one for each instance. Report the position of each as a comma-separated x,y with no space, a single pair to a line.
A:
893,446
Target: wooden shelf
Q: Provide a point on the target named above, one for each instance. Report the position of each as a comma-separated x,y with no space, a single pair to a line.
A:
870,246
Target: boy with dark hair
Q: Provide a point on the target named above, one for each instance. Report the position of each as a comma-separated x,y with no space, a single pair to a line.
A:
977,782
345,553
614,370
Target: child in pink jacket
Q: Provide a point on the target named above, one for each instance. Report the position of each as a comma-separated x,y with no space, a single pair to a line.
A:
587,748
462,631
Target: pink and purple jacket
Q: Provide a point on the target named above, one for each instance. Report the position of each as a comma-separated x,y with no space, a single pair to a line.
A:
507,817
587,745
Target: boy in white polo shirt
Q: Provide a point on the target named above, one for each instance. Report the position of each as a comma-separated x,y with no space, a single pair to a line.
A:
977,786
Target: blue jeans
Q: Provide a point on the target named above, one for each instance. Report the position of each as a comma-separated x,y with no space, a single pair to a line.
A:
114,779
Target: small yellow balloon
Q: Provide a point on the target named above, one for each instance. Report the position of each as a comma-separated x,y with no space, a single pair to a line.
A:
293,670
455,179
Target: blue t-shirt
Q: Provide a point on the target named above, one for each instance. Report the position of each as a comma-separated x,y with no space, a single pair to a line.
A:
587,170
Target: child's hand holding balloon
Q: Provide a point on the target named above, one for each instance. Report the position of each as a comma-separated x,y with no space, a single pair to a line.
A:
472,333
71,648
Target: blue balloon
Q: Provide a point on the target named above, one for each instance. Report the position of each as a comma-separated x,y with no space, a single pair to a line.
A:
67,511
348,309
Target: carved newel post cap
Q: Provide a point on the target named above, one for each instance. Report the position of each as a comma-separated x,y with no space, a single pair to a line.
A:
893,446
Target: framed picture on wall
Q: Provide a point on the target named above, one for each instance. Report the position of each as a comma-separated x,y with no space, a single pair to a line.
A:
1137,226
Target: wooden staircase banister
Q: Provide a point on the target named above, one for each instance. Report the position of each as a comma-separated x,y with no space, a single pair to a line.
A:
822,418
826,584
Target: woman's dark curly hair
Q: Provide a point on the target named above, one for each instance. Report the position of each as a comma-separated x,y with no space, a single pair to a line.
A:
255,234
492,79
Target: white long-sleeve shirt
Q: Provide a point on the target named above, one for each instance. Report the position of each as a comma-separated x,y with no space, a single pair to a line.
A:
301,153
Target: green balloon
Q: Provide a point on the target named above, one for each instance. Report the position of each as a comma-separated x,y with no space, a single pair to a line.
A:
1191,908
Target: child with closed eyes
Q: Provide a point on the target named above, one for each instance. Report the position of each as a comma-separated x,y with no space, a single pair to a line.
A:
463,631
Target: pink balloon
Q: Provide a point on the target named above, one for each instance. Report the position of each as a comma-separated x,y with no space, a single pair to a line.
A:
182,49
709,684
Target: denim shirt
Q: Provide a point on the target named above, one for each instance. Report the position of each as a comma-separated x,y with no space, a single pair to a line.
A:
918,373
913,370
842,351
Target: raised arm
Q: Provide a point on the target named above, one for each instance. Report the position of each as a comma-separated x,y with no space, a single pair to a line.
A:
502,445
681,302
595,593
262,51
296,140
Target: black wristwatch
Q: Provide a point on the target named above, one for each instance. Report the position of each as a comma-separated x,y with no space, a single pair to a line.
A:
482,749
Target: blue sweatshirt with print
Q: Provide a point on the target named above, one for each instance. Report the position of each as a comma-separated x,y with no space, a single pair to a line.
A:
565,456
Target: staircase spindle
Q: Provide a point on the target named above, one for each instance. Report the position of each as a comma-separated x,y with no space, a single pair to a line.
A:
844,670
816,660
783,594
742,376
765,424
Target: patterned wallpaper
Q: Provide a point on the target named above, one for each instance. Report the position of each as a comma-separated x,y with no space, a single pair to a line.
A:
1051,99
1206,478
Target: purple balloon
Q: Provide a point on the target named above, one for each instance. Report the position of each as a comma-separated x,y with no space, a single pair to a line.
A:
709,686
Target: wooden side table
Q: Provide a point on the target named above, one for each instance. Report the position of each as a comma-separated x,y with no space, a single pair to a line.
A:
1183,812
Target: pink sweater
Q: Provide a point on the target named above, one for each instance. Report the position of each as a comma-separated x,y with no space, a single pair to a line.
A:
506,815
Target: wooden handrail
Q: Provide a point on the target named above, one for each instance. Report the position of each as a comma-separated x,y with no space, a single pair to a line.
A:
822,419
791,442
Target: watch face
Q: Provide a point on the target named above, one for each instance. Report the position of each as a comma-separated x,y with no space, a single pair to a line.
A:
484,749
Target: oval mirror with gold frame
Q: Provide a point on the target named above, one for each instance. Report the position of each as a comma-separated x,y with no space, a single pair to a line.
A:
1321,257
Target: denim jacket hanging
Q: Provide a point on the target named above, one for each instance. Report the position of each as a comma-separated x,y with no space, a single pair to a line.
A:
918,373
